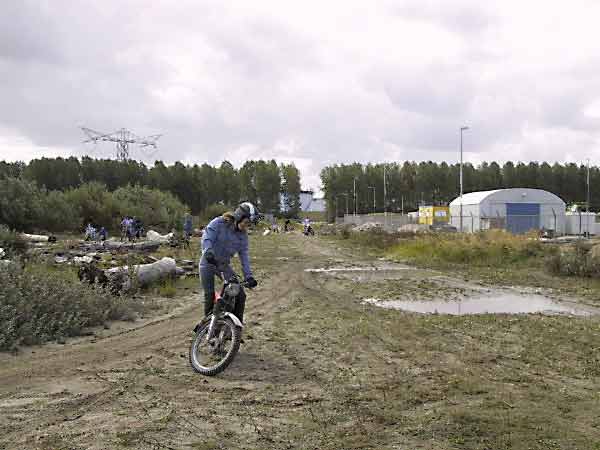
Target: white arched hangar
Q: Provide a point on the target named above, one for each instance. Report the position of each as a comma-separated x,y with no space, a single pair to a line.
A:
517,210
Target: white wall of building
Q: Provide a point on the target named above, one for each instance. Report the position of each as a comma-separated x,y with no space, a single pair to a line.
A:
482,210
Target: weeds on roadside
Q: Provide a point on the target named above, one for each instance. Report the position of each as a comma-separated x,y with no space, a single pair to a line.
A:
579,261
39,305
167,288
10,242
498,248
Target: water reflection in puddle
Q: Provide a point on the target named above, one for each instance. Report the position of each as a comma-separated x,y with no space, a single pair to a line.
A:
500,304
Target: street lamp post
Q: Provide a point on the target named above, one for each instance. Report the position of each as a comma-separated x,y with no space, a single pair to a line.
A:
384,194
374,204
461,175
355,196
587,206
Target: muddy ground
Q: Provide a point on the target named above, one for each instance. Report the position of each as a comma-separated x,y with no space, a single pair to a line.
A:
319,369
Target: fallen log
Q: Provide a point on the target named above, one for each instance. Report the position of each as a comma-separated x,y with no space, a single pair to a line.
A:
141,275
157,237
145,246
36,238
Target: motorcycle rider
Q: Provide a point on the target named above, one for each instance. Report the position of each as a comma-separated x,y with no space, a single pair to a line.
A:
223,237
307,226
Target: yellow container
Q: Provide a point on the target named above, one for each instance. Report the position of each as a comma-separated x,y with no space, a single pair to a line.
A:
430,215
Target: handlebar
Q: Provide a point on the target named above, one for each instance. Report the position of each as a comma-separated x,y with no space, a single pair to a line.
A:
221,268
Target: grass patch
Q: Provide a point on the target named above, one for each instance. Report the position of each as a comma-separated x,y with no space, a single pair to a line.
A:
473,382
167,289
38,304
10,242
497,248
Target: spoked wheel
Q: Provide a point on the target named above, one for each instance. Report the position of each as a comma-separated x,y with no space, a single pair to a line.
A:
210,357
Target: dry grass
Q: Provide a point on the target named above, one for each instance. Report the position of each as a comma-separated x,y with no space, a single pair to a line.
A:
497,248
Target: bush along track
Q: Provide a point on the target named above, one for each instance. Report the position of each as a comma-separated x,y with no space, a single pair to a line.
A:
38,305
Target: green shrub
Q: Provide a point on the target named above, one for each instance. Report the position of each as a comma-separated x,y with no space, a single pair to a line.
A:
578,261
92,203
58,214
156,209
38,304
10,242
478,249
212,211
20,204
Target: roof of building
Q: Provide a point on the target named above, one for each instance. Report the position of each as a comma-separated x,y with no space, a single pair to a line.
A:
474,198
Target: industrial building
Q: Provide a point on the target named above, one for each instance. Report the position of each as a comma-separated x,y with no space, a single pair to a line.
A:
308,202
517,210
433,215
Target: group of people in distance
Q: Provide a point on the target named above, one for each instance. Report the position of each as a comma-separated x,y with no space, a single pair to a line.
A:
95,233
131,228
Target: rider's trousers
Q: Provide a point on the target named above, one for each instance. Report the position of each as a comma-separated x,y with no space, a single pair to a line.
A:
207,275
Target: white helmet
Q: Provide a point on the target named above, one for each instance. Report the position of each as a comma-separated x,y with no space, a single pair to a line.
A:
246,210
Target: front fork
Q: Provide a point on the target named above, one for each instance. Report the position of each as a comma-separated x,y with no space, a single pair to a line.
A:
213,320
211,327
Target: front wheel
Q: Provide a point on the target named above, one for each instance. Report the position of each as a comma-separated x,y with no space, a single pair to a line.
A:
210,357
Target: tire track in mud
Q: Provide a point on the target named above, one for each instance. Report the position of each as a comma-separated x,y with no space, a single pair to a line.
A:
86,388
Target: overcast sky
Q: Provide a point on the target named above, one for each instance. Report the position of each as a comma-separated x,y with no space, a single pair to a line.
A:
307,82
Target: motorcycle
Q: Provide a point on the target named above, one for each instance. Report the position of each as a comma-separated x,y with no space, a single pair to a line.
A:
218,336
308,231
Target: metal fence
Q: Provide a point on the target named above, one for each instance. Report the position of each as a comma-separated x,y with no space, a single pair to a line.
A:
390,221
556,224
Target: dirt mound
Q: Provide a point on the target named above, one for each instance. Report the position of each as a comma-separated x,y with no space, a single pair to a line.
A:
369,226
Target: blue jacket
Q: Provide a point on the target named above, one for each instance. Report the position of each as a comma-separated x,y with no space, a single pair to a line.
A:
187,225
225,241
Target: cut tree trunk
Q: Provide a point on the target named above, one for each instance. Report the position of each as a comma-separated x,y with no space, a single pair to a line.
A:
141,275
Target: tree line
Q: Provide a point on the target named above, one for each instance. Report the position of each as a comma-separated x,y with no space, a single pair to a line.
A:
410,183
201,187
24,206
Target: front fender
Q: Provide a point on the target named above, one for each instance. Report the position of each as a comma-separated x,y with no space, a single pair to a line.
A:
202,323
234,319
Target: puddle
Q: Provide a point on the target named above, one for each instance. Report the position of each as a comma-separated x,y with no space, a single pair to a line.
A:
504,303
358,269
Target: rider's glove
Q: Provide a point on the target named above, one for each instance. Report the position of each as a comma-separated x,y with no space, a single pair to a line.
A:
251,282
210,257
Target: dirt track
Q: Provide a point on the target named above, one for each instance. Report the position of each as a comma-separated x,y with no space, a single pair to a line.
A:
318,370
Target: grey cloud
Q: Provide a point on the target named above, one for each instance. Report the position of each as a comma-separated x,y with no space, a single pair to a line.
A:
458,16
215,81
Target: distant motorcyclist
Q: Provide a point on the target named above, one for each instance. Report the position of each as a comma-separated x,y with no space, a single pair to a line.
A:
307,227
225,236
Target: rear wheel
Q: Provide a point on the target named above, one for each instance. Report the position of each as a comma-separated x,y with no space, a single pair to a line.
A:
210,357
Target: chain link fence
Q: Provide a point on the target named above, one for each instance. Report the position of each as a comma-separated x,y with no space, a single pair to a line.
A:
552,224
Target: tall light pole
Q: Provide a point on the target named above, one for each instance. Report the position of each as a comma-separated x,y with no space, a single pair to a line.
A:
355,196
587,206
384,194
588,186
461,175
374,204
